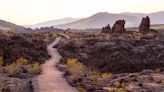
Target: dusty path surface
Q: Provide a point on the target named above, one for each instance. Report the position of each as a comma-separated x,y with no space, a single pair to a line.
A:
51,79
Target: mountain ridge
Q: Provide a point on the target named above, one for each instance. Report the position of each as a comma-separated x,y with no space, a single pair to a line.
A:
54,22
95,21
100,19
5,25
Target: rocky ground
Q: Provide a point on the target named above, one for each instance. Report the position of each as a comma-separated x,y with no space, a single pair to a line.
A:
134,60
20,57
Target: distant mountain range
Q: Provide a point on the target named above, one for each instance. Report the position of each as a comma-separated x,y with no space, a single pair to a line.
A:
97,20
54,22
101,19
4,25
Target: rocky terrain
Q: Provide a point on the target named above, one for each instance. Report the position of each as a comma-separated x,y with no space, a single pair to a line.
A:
123,55
20,57
115,61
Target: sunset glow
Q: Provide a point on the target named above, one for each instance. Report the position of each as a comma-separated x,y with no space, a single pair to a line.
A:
34,11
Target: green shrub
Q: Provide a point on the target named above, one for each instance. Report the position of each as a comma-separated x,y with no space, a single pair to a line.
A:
54,35
99,79
75,68
34,69
13,68
158,70
22,61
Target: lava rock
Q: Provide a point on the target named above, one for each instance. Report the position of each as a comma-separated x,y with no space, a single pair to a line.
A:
118,27
144,27
106,29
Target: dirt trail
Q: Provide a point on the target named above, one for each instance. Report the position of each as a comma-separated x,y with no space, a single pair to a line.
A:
51,79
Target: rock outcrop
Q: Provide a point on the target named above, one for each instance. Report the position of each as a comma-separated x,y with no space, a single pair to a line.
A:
118,27
144,27
15,85
144,81
106,29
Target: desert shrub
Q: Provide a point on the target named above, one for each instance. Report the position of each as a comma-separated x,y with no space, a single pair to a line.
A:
34,69
120,90
99,79
137,36
75,68
22,61
158,70
120,87
9,32
1,61
80,89
36,33
54,35
46,38
105,76
13,68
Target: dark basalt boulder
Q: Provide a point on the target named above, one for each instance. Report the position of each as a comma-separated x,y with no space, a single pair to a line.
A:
118,27
144,27
106,29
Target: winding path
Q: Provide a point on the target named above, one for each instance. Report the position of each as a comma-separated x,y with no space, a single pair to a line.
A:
51,79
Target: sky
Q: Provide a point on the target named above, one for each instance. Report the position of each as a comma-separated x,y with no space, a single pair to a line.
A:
27,12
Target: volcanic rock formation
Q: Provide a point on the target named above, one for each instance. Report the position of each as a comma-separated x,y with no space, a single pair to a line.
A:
118,27
144,27
106,29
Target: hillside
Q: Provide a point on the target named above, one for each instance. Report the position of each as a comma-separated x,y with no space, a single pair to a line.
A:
99,20
156,18
54,22
103,18
4,25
